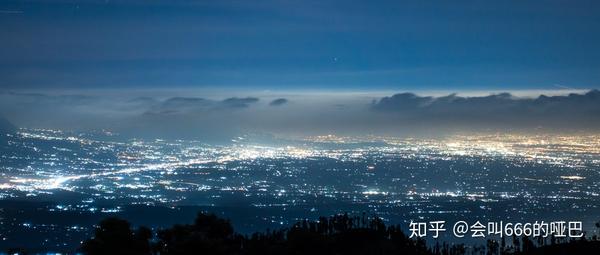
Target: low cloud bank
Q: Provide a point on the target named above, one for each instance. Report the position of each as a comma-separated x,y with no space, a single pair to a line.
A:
209,118
278,102
182,105
576,111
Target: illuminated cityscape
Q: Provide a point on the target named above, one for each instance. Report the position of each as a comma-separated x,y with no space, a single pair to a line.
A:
285,127
482,176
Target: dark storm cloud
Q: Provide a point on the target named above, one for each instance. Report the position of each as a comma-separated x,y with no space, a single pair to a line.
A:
498,110
278,102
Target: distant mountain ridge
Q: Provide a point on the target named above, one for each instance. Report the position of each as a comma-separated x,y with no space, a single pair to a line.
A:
6,126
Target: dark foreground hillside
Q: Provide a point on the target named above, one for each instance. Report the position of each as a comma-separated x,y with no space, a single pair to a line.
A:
339,234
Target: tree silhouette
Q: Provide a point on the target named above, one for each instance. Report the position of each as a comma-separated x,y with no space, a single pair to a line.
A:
209,234
114,236
338,234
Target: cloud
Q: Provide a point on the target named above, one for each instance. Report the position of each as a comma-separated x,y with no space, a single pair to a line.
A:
180,105
41,98
278,102
401,102
182,114
11,12
494,111
235,102
138,103
183,105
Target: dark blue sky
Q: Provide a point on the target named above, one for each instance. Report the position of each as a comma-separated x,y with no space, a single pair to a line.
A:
348,45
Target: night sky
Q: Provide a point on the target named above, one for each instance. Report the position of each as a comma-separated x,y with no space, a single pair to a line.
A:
220,69
300,45
267,112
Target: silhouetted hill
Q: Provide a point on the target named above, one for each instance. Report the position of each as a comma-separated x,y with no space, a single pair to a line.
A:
209,234
6,126
340,234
